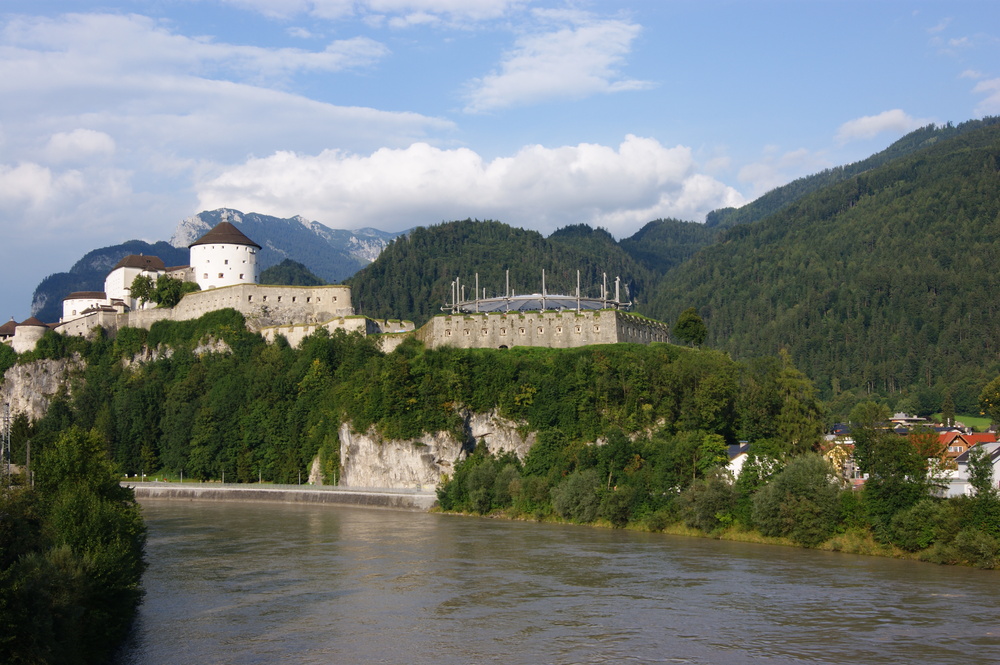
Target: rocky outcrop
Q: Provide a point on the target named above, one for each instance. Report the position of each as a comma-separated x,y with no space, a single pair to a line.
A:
369,460
30,388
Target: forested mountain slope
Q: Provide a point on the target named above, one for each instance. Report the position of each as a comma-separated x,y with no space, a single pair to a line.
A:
785,195
412,277
664,243
883,282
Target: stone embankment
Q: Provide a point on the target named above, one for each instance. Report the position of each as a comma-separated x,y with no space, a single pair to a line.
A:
368,497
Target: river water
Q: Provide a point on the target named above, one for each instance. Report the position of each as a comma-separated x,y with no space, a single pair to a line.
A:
271,583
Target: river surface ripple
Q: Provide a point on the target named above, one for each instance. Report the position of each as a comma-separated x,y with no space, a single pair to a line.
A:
240,583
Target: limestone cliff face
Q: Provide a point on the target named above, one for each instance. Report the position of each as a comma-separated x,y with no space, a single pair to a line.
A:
30,388
368,460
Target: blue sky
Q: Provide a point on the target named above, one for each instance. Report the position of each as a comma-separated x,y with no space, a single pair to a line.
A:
121,118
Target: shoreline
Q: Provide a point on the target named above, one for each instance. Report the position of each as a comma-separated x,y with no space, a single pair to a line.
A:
366,497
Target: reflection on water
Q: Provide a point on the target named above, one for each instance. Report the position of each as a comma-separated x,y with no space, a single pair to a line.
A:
263,583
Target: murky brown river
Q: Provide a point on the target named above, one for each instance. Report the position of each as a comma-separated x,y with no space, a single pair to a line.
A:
266,583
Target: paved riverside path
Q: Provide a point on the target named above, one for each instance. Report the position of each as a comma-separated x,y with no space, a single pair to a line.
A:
373,497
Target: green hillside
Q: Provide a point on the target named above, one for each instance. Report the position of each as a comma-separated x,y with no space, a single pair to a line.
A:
780,197
290,273
664,243
881,283
412,277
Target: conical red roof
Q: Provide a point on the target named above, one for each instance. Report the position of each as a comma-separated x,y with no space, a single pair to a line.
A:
224,233
32,322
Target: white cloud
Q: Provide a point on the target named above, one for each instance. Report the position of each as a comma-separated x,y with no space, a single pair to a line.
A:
572,61
108,43
538,187
79,145
971,74
870,126
990,105
401,13
775,169
159,95
939,27
71,201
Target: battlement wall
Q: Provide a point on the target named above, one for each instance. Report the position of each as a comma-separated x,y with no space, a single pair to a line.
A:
552,329
262,305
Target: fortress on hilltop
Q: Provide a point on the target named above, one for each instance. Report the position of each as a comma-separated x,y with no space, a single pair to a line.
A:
224,265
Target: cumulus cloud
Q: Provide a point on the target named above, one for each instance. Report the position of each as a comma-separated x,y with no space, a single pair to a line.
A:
79,145
582,57
543,188
870,126
51,201
990,105
776,168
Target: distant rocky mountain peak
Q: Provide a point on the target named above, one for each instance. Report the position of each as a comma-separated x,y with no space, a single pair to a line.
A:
332,254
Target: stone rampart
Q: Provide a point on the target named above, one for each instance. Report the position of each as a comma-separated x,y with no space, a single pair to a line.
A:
262,305
552,329
295,333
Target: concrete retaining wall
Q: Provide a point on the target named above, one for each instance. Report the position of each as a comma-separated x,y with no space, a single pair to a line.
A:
367,497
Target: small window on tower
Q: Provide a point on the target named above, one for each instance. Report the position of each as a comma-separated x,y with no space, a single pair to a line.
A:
220,275
241,275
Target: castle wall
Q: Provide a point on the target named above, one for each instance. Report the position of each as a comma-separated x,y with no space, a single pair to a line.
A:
296,332
263,306
552,329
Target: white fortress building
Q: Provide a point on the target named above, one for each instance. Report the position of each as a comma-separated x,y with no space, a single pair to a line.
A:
224,257
224,265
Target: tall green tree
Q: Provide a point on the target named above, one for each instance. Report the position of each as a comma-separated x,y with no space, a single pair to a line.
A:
800,420
897,478
71,558
989,400
948,409
690,328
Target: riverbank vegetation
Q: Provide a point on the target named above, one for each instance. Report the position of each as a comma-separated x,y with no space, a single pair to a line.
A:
675,483
627,435
71,557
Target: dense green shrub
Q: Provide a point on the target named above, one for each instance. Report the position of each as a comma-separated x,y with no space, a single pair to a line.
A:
923,524
801,502
575,498
616,505
708,504
978,548
71,558
8,358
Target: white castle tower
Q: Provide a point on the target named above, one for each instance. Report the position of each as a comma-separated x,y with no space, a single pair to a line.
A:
224,257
